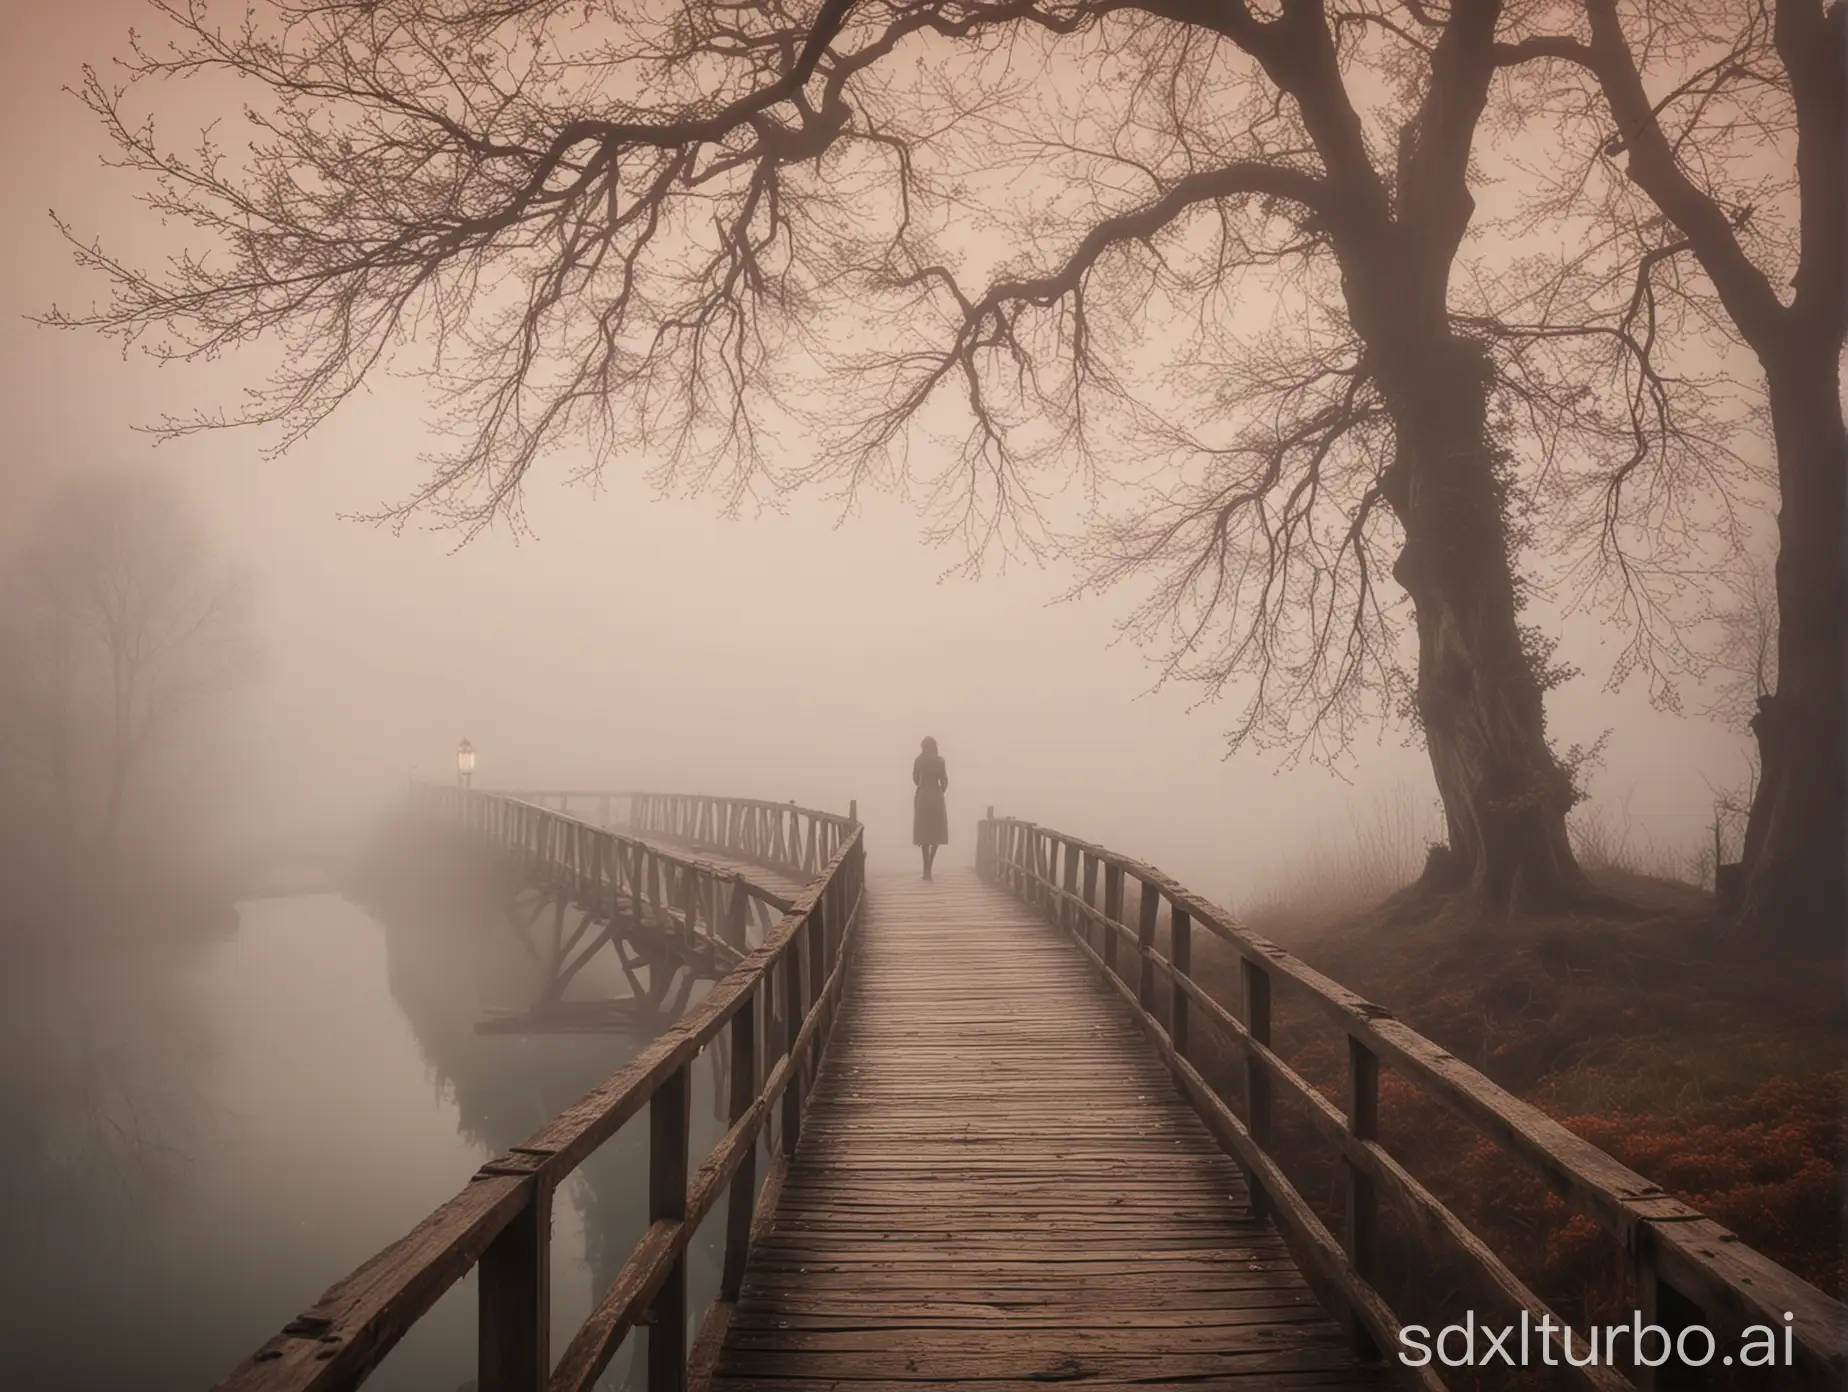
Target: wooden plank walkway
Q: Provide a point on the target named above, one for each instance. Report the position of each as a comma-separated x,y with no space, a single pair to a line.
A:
782,882
998,1182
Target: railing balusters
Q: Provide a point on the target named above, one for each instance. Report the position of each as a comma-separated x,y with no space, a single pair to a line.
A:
1042,871
1090,892
1256,994
1180,953
667,1202
1068,913
743,1197
738,914
1662,1305
514,1293
1363,1217
817,930
1113,914
1145,945
793,1012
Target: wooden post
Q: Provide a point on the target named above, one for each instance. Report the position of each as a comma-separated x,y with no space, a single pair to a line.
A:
1068,913
791,967
737,914
1257,1001
1180,953
1113,914
1363,1202
1668,1309
769,1031
817,930
667,1201
1145,944
1090,890
514,1314
743,1197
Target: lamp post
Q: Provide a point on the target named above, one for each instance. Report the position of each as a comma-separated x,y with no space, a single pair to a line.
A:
465,762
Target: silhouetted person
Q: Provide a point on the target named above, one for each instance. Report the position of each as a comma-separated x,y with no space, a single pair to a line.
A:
930,819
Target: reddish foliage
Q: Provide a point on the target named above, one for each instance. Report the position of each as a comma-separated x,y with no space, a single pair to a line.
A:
1767,1164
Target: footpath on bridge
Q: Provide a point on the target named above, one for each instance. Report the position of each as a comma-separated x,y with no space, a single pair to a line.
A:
997,1181
762,872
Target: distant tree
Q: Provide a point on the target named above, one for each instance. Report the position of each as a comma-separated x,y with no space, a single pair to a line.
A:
1716,131
674,229
124,624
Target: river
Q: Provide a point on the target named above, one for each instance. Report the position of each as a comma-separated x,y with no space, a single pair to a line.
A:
215,1132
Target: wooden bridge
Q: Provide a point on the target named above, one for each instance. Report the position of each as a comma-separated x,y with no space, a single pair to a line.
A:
997,1158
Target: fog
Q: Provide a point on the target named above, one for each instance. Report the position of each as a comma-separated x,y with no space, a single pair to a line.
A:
616,639
636,641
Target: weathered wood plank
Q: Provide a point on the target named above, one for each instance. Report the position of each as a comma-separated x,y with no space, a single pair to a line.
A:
345,1334
996,1180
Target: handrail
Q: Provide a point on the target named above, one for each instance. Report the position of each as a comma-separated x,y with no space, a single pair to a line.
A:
796,840
501,1222
1685,1264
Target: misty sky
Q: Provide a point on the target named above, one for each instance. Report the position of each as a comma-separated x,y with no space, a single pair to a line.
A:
647,643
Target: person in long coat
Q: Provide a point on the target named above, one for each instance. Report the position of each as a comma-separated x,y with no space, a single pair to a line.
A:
930,818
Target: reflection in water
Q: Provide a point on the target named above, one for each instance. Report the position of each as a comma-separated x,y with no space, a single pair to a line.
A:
213,1134
454,956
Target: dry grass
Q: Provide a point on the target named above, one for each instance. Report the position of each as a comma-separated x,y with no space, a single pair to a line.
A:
1380,846
1607,838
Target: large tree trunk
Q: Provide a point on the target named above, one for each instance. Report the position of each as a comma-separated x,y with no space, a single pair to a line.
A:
1794,862
1479,688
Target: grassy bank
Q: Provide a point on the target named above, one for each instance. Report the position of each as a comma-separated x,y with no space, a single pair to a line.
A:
1701,1060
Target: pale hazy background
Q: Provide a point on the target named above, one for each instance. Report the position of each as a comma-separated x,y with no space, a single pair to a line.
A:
640,642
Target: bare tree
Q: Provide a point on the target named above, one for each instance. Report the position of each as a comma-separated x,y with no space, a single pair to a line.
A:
1731,124
670,230
1746,657
126,625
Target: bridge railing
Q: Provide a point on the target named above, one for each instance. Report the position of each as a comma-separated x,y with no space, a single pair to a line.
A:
592,865
798,841
1687,1268
500,1224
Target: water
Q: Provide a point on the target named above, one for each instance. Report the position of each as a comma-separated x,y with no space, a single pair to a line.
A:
214,1133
